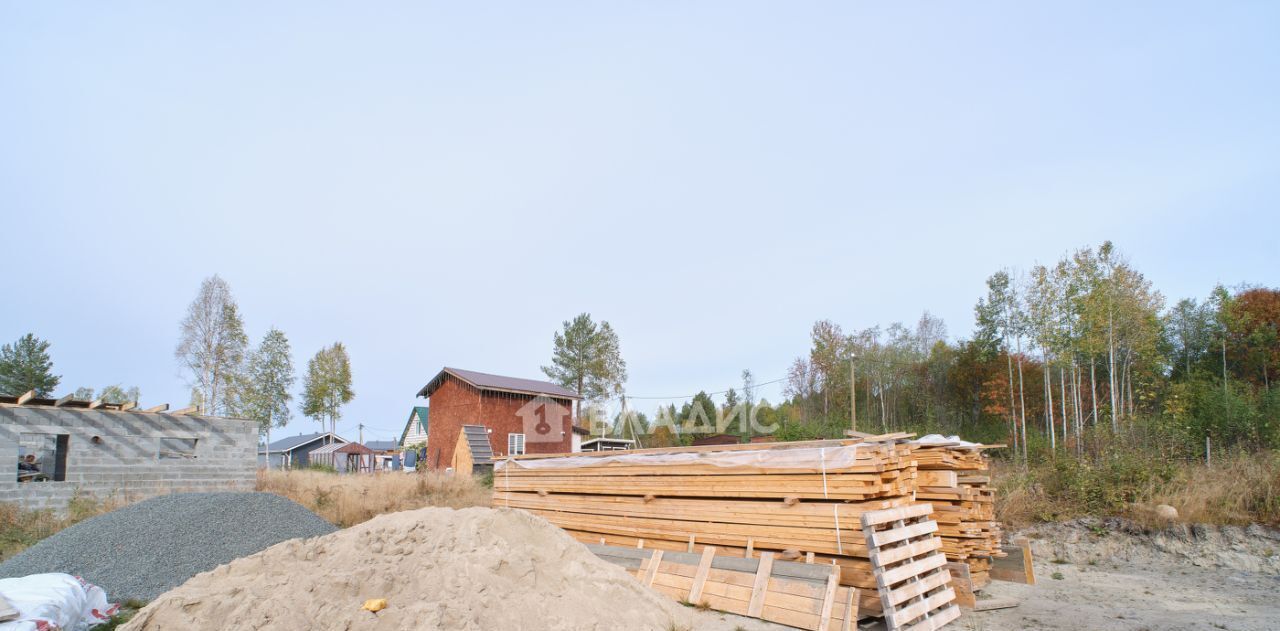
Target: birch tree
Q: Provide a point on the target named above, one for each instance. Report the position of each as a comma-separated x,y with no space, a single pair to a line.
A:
327,386
269,377
212,344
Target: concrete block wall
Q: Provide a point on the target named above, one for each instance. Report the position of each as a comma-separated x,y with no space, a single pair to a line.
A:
113,455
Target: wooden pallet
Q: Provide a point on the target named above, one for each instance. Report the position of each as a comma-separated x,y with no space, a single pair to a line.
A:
805,596
910,568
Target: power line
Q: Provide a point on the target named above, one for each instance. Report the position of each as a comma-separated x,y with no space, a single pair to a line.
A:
690,396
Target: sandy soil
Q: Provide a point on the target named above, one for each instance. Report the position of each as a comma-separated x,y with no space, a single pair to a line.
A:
1112,575
1115,576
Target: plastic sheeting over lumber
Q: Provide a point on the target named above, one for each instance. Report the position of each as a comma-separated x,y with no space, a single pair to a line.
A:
834,457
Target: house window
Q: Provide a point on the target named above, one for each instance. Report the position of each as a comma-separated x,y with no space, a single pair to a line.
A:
43,457
515,444
177,448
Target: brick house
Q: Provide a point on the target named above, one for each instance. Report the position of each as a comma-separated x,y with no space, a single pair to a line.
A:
504,407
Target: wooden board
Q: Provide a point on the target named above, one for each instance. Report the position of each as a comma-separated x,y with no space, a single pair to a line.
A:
1016,566
800,595
962,584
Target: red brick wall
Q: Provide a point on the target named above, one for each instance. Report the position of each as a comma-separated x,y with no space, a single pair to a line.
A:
456,403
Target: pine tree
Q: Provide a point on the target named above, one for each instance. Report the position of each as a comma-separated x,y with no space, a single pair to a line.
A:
25,365
587,359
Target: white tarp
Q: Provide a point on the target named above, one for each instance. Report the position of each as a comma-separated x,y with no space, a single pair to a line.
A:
833,457
939,439
55,602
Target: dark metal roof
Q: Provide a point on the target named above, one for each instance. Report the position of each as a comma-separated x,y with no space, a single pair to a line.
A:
381,445
498,383
354,448
293,442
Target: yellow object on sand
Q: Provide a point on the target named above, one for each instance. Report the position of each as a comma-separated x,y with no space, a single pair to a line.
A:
375,604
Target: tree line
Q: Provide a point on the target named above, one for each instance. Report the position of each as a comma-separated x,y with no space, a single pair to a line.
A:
1057,354
1061,357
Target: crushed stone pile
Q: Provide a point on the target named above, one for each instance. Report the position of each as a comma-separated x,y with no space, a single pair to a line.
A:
437,568
145,549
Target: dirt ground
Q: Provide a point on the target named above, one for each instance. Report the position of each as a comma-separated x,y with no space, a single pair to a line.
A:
1111,575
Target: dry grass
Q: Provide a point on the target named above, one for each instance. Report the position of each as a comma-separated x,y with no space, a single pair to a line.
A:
346,500
20,529
1238,489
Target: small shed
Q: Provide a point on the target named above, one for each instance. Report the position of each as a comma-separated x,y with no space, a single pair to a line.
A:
345,457
472,453
608,444
293,452
384,452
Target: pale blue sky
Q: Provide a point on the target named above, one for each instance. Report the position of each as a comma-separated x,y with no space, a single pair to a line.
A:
444,184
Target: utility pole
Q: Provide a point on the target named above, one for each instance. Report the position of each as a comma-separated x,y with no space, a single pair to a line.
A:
626,420
362,433
853,393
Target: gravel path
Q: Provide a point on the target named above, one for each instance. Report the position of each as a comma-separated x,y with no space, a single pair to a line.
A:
145,549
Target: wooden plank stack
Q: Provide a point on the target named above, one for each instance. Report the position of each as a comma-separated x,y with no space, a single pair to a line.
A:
954,478
808,509
801,595
910,569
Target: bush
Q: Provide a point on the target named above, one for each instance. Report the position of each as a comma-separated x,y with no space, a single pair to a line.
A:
1240,487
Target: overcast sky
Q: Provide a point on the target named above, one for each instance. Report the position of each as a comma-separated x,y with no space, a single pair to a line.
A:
442,184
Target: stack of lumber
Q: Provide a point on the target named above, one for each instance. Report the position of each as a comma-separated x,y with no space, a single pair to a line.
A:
801,595
801,501
954,478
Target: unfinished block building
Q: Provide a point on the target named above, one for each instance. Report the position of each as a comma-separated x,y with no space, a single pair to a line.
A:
58,449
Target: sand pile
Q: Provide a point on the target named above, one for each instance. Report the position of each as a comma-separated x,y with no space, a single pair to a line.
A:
438,568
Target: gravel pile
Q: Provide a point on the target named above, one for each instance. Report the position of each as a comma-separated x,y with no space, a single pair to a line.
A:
145,549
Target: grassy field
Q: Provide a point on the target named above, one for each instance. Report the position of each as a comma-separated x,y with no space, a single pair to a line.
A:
346,500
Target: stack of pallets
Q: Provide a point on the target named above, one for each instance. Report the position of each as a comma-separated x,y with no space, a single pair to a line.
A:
954,478
801,501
